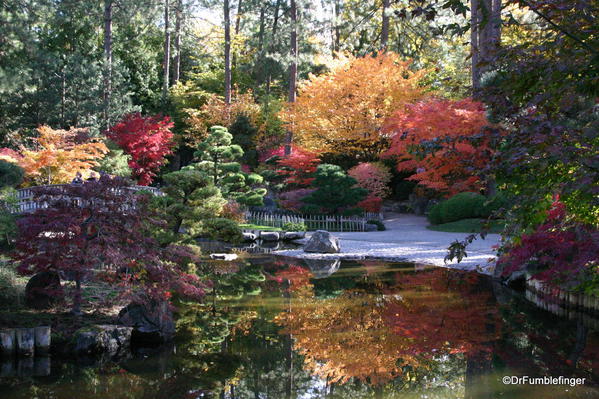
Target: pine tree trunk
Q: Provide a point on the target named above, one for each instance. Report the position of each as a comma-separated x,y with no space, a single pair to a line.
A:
177,66
236,31
227,53
474,45
107,60
167,50
292,70
272,45
385,25
337,28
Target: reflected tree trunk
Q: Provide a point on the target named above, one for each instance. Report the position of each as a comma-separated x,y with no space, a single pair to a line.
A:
581,341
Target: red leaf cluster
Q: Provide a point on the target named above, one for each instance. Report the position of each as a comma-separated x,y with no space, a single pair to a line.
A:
298,167
431,138
148,139
560,251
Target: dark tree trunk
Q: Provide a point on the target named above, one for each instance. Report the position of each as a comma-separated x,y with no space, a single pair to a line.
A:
485,37
337,28
227,53
292,70
236,31
167,50
275,25
107,60
178,18
385,25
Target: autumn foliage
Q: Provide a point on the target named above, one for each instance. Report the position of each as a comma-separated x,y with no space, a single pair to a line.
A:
148,139
106,230
375,178
298,167
431,137
342,111
378,334
57,155
572,253
215,112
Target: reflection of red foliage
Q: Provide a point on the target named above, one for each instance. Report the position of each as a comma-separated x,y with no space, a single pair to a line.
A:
452,318
297,276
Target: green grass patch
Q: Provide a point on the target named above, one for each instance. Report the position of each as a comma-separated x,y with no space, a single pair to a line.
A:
250,226
469,226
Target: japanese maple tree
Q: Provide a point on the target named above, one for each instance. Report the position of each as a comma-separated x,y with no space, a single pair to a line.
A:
148,139
375,178
57,155
298,167
96,229
435,138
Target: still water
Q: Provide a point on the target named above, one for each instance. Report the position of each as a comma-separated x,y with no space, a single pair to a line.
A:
279,328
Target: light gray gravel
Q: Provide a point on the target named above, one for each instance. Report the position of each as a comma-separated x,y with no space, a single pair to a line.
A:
408,239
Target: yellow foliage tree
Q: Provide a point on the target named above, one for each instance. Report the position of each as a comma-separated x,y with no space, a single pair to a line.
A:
59,154
215,112
342,111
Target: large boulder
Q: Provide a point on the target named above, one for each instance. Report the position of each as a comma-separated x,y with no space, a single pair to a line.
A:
43,290
322,268
323,242
152,322
249,237
101,339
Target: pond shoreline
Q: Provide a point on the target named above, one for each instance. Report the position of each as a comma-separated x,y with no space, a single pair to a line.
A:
408,240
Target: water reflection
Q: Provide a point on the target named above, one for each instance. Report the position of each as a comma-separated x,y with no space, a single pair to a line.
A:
278,328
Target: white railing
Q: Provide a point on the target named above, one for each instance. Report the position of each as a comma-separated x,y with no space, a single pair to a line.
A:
313,222
26,202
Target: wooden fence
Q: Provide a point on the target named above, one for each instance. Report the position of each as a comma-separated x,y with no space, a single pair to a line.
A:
313,222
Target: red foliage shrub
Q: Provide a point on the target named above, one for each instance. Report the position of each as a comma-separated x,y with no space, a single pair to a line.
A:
431,137
148,139
298,167
372,203
560,251
374,177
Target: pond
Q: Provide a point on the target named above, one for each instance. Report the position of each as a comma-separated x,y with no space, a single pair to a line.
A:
280,328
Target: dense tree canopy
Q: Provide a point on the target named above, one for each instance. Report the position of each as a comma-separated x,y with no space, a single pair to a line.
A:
343,110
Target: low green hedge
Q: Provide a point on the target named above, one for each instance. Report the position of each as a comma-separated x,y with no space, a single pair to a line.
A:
466,206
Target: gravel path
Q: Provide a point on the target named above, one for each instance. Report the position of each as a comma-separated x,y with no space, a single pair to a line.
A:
408,239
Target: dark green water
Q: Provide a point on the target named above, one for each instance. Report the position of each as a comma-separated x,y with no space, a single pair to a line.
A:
282,329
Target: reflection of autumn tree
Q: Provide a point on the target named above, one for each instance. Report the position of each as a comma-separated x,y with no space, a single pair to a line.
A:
443,310
384,332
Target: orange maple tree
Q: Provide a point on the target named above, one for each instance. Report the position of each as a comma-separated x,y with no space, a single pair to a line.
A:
342,111
432,136
58,155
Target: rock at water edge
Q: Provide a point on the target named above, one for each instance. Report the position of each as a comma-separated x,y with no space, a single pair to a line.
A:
323,242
